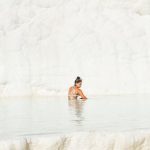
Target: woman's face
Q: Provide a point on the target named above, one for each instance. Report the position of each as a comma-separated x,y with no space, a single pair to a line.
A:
78,85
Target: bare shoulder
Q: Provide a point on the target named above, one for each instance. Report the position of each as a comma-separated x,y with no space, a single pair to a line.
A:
70,88
79,90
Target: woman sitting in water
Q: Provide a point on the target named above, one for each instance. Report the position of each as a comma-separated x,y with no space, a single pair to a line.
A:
75,91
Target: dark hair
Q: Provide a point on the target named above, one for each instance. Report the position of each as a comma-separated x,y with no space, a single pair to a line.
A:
77,80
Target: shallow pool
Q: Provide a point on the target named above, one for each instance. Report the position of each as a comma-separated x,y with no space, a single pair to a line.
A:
57,115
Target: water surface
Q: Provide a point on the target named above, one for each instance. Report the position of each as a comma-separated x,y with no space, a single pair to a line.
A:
56,115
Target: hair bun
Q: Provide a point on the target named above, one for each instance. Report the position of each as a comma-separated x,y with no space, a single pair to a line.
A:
78,78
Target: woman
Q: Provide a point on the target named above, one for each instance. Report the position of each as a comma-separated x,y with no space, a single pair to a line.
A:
75,91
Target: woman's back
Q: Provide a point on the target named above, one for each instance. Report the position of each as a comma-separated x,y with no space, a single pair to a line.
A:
72,93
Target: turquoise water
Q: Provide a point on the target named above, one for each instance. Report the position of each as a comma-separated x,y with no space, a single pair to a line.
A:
56,115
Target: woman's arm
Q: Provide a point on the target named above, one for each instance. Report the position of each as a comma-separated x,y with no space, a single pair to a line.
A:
81,94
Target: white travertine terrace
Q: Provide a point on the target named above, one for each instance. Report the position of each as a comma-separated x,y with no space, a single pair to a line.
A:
45,44
81,141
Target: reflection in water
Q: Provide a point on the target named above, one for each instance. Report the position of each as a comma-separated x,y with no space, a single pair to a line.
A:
76,108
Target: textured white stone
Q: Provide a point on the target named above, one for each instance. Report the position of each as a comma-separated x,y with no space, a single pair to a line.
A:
81,141
45,44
